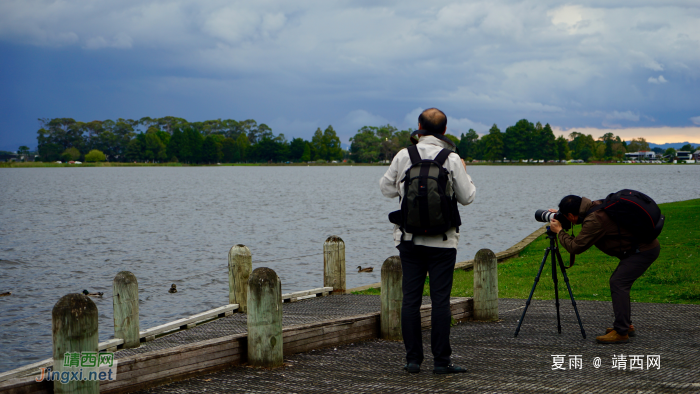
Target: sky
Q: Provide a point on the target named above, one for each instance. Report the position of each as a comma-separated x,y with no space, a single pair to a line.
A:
627,67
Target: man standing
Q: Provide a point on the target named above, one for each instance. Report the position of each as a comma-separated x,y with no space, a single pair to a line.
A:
433,254
600,230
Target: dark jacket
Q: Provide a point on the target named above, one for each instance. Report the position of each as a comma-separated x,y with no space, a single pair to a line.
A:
599,230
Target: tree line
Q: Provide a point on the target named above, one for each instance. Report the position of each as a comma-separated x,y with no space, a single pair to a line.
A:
172,139
522,141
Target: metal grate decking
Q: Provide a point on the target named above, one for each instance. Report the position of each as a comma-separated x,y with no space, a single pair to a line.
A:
497,362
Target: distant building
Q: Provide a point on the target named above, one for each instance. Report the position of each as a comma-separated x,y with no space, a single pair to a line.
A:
684,155
642,155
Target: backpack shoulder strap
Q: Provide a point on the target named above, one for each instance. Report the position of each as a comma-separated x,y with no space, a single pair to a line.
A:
413,154
598,207
442,156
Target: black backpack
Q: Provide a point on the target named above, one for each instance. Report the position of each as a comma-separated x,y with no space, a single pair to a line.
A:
426,207
634,211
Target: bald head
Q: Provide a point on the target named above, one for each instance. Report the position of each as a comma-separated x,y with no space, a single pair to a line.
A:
433,121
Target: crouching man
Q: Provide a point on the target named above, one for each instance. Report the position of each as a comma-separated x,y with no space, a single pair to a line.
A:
600,230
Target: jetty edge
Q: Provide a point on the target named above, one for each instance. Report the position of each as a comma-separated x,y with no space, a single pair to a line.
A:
188,347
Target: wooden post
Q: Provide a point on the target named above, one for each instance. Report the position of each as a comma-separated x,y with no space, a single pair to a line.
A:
264,319
391,297
485,286
125,299
240,264
334,264
74,328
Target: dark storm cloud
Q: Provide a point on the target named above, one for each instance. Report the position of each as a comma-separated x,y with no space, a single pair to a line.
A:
301,65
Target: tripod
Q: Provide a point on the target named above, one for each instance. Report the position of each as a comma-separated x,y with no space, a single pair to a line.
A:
556,258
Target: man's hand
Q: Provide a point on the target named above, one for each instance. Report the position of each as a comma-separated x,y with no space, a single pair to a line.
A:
555,226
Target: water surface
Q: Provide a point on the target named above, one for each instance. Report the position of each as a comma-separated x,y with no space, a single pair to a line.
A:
63,230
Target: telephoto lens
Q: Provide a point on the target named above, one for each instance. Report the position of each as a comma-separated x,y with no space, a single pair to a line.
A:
544,216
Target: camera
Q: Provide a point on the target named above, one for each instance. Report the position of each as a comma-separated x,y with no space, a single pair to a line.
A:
543,215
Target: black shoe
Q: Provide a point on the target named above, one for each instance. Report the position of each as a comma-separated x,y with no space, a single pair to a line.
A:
412,368
448,369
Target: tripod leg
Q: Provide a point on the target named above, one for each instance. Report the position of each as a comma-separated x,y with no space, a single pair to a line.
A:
555,279
537,279
568,286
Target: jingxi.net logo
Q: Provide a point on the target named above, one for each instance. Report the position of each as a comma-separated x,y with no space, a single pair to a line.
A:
85,366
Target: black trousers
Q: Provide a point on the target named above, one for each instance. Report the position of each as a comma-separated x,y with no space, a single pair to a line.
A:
416,262
621,282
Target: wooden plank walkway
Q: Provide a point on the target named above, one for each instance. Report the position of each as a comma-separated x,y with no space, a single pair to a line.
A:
496,361
309,324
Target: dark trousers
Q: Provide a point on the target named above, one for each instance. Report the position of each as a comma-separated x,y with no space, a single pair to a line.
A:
621,281
416,262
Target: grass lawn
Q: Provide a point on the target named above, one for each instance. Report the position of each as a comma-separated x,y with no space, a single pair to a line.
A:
673,278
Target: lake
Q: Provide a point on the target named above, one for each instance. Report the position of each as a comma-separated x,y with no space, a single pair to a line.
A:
63,230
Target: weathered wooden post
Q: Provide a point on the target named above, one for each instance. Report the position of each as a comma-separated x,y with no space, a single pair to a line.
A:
264,319
334,264
485,285
391,297
240,264
74,328
125,299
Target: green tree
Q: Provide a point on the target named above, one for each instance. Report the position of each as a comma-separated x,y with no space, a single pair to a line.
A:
212,148
134,150
230,150
320,149
331,142
638,145
306,155
70,154
562,148
670,154
296,149
169,123
281,148
153,148
584,154
23,151
64,132
192,149
582,146
687,148
546,144
95,156
175,145
364,146
518,140
492,144
467,144
50,152
618,151
608,139
243,146
388,141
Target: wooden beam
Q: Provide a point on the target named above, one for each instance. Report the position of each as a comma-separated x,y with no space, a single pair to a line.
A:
300,295
178,324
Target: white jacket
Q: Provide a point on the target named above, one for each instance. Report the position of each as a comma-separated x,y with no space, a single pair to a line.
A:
391,186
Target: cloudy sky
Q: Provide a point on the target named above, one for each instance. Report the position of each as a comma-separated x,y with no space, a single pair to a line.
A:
631,66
